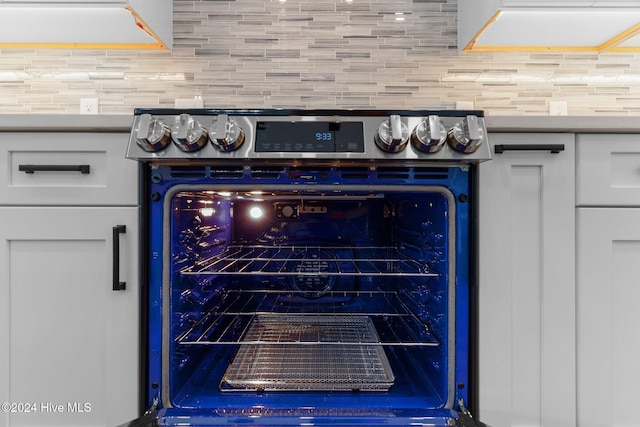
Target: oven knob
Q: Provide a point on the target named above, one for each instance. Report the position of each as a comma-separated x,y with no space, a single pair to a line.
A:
226,135
392,135
429,136
466,136
152,134
188,134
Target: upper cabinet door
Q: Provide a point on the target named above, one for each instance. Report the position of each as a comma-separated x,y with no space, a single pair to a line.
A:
44,168
608,170
527,282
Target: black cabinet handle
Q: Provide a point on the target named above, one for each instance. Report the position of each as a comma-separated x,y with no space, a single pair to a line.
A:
84,169
554,148
117,284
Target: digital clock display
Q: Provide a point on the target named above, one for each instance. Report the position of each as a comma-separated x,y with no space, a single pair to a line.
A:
324,136
310,137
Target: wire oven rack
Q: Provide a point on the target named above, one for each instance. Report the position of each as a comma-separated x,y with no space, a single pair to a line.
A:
229,321
287,341
310,260
310,365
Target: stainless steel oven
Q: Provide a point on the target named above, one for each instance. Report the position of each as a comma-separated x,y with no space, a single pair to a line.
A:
307,267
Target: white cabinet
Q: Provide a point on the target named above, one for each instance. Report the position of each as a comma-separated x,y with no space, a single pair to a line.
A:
94,170
71,338
608,170
70,356
527,283
608,291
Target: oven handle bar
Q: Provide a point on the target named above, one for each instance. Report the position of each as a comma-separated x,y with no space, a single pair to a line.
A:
83,169
117,284
554,148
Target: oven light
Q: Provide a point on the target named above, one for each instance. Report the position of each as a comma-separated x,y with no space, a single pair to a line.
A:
224,194
207,212
256,212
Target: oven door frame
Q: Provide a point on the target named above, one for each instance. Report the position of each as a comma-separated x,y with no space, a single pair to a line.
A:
461,276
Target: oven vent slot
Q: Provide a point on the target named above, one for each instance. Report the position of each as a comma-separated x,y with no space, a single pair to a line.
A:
354,172
311,168
431,173
420,173
230,172
266,172
188,172
393,173
312,411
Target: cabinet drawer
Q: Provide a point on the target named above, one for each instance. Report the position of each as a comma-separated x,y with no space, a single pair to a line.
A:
66,169
608,170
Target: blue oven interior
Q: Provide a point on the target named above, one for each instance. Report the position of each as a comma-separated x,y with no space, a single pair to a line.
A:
331,293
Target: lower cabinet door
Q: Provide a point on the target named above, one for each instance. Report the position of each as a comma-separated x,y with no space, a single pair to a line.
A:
608,316
70,342
526,340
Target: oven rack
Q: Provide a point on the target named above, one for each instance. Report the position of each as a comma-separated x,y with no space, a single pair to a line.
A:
302,260
292,367
228,322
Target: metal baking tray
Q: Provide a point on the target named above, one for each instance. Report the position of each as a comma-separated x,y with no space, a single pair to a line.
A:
298,352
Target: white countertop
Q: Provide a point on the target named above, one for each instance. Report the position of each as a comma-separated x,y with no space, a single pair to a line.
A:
66,122
122,123
572,124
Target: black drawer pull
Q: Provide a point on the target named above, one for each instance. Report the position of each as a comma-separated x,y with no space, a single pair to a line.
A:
84,169
117,284
554,148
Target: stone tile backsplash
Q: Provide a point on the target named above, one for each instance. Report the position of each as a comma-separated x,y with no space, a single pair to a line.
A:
318,54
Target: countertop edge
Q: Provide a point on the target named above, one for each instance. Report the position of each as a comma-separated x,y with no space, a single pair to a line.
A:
66,122
564,124
122,123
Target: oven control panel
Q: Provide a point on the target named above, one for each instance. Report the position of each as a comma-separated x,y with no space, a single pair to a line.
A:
309,137
209,135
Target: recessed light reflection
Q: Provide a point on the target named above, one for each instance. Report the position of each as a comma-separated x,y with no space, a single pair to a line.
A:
207,212
256,212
